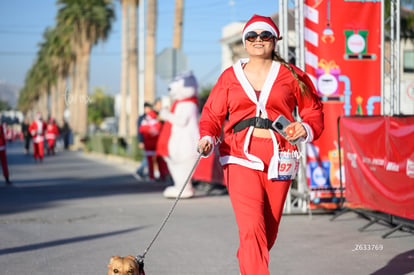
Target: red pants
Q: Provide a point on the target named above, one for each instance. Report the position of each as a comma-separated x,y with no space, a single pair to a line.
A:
3,160
38,151
258,206
162,167
51,146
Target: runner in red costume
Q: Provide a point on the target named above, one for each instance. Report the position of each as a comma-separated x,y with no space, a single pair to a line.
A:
258,162
3,157
150,128
38,129
52,132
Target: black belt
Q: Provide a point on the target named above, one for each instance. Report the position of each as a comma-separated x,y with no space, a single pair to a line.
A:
257,122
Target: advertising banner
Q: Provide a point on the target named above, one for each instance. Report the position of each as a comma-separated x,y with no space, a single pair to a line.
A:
379,161
343,59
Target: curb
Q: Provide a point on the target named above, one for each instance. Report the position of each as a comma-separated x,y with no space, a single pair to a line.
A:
112,159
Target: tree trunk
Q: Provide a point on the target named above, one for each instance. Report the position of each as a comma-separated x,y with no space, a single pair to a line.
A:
122,130
44,104
178,24
133,69
83,84
60,101
36,107
71,96
53,100
150,51
81,100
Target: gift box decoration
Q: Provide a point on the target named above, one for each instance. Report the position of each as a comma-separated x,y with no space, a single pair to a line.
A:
327,78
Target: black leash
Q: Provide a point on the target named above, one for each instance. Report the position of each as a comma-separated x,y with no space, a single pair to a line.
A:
140,258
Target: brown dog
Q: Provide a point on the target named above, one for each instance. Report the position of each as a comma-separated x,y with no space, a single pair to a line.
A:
124,266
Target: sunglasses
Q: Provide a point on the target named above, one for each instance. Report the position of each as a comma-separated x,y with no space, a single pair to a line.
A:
264,36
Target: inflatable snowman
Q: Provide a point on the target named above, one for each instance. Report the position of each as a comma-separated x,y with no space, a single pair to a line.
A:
179,136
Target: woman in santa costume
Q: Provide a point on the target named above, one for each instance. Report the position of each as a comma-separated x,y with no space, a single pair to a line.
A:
3,157
38,129
258,162
52,132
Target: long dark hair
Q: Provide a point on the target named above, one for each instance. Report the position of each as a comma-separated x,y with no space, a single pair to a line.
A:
303,87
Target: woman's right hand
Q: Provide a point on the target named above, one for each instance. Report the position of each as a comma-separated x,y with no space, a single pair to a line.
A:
204,147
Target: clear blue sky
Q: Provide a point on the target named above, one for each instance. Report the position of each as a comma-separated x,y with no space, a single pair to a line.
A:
22,23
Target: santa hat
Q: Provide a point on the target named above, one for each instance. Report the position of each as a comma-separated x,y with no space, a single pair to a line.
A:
258,22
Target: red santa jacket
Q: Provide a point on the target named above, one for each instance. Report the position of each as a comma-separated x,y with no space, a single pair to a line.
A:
2,137
150,129
37,129
52,131
280,94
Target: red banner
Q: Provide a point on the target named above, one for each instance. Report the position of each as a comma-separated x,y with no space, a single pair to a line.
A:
379,163
343,58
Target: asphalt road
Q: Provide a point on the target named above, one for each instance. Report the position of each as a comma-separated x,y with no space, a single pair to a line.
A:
71,213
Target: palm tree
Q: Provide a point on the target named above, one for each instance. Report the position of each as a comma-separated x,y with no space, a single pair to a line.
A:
72,92
43,76
63,51
89,22
133,67
45,72
178,24
30,93
57,48
26,98
178,31
122,129
150,51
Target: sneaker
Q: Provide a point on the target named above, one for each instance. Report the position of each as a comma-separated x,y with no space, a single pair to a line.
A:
172,192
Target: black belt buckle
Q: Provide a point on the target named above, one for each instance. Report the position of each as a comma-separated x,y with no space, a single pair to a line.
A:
260,123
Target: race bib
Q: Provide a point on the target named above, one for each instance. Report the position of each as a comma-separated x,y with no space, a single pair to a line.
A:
288,166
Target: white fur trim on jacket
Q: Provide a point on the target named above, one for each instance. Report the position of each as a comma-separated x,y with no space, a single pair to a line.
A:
255,162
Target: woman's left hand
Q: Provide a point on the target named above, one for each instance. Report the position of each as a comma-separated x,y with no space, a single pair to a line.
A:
297,132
